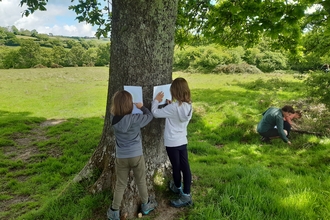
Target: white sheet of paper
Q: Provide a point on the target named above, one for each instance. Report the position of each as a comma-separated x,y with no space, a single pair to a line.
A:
165,89
136,92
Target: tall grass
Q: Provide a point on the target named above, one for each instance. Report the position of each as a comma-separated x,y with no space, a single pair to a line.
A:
235,176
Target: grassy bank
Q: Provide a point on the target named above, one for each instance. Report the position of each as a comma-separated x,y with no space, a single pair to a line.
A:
51,122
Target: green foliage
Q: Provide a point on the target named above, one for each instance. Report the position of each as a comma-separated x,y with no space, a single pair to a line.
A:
28,54
103,55
9,59
183,57
228,60
205,58
315,43
270,61
318,87
209,58
251,56
44,51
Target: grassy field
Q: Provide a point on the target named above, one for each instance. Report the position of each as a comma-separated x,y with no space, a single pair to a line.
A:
51,121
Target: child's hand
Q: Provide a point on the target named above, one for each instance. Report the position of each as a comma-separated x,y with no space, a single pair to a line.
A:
138,105
168,101
159,97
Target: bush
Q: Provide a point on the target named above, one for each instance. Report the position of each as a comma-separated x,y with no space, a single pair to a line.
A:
39,66
236,68
54,65
183,57
270,61
205,58
209,58
318,84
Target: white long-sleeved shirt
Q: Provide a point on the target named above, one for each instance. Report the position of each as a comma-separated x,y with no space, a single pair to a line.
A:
177,119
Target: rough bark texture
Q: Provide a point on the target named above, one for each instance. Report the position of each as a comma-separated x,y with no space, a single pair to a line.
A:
142,47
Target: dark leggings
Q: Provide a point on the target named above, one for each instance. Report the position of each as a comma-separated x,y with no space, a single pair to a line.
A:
179,160
287,127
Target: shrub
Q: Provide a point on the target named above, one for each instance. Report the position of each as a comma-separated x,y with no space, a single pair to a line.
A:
251,56
236,68
54,65
270,61
39,66
205,58
183,57
318,84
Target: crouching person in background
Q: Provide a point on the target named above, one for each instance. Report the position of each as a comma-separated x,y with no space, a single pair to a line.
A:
274,117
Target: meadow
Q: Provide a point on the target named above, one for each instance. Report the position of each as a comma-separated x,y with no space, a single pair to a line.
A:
51,121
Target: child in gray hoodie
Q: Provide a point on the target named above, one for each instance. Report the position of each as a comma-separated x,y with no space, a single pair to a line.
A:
129,154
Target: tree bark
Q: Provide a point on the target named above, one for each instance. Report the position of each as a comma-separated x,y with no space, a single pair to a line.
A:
142,47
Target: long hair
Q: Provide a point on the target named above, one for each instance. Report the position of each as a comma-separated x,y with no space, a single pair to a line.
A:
121,103
180,90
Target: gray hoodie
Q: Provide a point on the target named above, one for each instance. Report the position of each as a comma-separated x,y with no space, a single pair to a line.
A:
127,131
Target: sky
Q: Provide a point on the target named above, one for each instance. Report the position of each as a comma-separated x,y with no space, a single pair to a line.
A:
58,19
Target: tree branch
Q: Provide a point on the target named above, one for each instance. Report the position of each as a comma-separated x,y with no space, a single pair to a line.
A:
307,132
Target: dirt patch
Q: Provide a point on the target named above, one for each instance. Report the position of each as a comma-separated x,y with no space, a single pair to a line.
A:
25,143
52,122
24,150
165,211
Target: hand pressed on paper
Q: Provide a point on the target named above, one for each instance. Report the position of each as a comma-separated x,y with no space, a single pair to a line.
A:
159,97
138,105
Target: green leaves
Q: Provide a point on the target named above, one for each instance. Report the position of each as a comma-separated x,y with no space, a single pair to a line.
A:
91,11
33,5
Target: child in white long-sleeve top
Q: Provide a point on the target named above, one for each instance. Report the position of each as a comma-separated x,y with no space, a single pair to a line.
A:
178,114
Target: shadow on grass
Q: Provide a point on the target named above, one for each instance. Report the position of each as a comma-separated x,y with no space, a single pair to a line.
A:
37,163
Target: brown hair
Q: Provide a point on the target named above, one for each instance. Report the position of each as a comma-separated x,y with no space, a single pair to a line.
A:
288,108
121,103
180,90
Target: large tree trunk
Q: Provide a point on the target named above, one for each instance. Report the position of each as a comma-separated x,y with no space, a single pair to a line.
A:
142,47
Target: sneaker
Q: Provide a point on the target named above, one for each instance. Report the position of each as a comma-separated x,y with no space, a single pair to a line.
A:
184,200
113,215
174,189
148,207
265,140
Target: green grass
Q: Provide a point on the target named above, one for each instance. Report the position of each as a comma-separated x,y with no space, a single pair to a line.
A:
234,175
55,93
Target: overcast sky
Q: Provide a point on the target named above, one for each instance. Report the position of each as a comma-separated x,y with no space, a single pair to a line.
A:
58,19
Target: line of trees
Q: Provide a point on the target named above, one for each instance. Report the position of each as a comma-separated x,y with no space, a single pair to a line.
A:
26,49
30,54
41,50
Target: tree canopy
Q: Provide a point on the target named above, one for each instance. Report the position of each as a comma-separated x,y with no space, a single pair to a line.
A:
228,22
